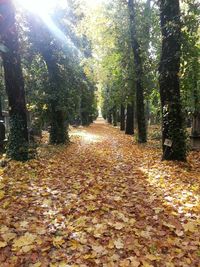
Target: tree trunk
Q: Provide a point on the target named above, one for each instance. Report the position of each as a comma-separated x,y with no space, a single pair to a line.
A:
172,116
114,115
58,132
140,110
130,119
1,109
18,139
196,124
109,117
122,118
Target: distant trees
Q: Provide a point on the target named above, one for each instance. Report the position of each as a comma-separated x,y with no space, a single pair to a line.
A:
132,77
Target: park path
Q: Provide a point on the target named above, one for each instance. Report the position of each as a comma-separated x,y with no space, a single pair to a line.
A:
101,201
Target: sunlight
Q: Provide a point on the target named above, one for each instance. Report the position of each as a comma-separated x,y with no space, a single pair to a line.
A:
87,137
93,3
43,7
46,6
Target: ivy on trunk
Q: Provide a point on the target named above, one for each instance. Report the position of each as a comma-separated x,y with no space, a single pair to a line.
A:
18,139
172,116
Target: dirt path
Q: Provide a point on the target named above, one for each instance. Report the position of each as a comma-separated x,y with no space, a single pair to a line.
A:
102,201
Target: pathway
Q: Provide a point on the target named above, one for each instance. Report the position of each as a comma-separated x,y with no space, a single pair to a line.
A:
102,201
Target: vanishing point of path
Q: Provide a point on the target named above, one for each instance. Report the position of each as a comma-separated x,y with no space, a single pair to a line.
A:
101,201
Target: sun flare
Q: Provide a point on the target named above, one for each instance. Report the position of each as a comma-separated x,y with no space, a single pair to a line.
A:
41,7
44,7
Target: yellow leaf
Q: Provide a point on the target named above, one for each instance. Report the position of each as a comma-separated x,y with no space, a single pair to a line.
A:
146,264
2,194
2,185
63,264
8,236
3,244
74,244
111,244
124,263
152,257
6,204
119,244
91,208
24,224
58,241
169,264
134,262
132,221
190,226
169,225
4,229
98,249
89,256
118,226
27,248
47,203
22,241
37,264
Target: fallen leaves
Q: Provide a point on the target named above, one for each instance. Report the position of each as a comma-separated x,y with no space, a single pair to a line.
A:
107,203
24,243
3,244
119,243
2,194
58,241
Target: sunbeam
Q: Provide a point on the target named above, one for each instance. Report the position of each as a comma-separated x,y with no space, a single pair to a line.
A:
43,9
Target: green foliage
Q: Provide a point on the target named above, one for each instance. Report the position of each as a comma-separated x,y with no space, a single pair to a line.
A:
190,64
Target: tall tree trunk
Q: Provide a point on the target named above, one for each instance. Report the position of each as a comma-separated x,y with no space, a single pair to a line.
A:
122,118
172,116
58,132
1,109
114,115
109,117
140,110
18,139
196,124
130,119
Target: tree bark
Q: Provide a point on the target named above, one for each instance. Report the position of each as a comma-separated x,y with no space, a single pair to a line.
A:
172,116
140,110
114,115
130,119
196,124
122,118
14,82
58,132
109,118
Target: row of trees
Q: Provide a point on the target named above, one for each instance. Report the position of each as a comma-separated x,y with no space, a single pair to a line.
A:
45,75
147,67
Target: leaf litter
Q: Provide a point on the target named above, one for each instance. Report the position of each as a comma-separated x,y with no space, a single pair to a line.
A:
101,201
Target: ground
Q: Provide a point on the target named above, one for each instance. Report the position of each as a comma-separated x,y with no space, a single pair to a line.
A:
103,201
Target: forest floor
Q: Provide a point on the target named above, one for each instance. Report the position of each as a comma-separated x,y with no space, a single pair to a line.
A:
101,201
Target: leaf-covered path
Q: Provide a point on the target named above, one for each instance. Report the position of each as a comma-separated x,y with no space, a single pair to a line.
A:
102,201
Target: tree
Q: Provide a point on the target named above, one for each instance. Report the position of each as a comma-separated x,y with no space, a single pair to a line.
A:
172,116
18,139
190,65
122,117
130,119
140,112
